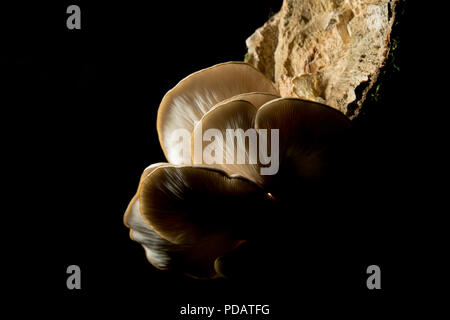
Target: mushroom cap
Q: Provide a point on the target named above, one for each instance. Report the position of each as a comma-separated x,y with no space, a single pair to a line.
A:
195,260
195,95
232,119
312,141
144,174
185,217
184,204
160,252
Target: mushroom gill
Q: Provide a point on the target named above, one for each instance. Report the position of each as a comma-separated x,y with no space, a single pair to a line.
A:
234,146
313,138
195,95
191,215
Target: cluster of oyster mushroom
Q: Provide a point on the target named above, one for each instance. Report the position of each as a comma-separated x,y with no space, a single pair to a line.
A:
189,213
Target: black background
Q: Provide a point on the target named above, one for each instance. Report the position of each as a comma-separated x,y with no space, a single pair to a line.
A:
79,126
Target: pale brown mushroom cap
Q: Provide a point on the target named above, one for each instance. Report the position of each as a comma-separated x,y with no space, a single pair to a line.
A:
236,117
144,174
186,203
195,95
159,251
196,260
185,217
310,139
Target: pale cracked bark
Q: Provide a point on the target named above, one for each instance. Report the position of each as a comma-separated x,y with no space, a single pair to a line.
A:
328,51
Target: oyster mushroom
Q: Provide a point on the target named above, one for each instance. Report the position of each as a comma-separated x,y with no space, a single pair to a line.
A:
311,135
191,217
195,95
233,114
313,142
176,217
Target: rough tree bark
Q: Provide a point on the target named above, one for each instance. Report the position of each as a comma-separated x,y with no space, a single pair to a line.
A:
329,51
